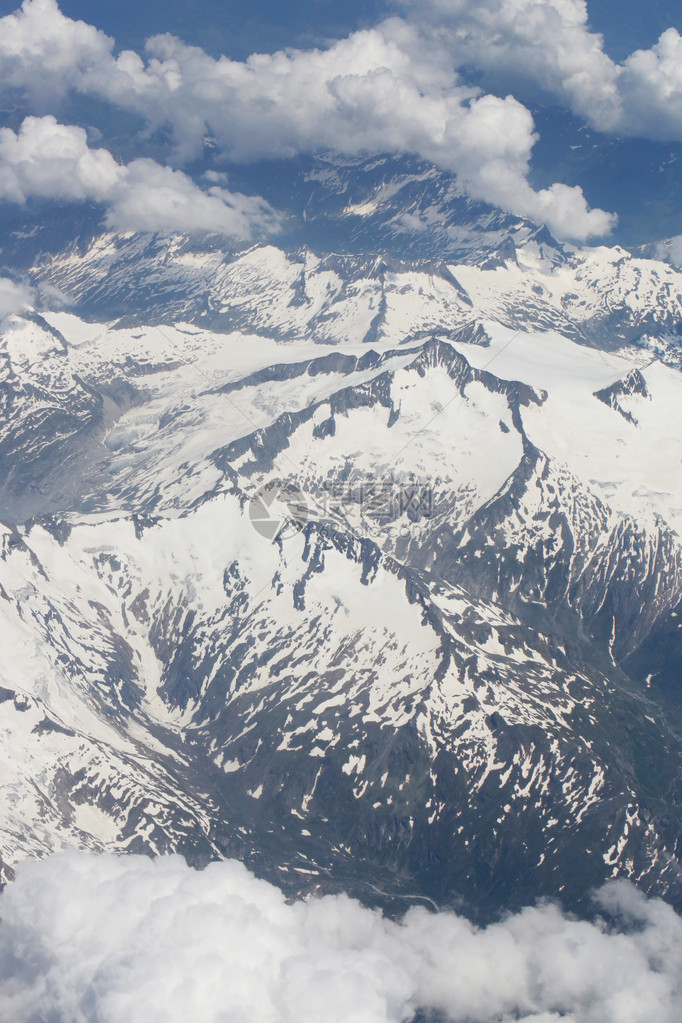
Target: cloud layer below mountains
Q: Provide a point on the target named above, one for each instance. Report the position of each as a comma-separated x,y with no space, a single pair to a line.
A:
386,89
91,938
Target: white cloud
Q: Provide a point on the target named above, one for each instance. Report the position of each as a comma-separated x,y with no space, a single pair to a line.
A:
56,49
51,160
372,92
14,298
156,198
91,938
546,40
48,159
550,42
671,249
378,90
651,85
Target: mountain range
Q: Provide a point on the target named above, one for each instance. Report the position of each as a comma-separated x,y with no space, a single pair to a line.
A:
357,559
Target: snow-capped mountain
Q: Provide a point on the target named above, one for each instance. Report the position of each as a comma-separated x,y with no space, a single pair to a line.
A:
452,675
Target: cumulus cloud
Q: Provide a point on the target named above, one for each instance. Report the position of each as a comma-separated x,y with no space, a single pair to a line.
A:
651,86
384,89
51,160
379,90
48,159
57,49
91,938
371,92
550,42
